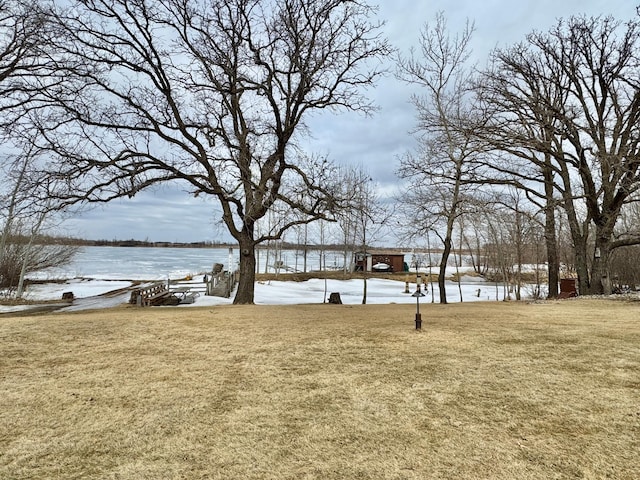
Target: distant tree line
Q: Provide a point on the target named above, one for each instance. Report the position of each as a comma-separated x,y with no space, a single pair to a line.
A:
138,243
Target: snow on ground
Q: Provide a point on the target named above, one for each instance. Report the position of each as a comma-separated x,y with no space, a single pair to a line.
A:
87,293
91,294
81,288
379,291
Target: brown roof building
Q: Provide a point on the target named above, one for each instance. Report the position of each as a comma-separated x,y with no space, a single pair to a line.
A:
380,261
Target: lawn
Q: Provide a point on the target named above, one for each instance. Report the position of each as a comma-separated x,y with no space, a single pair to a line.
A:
485,390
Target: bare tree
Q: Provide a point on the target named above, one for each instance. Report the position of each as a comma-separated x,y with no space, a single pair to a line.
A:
502,256
442,173
213,95
570,102
475,241
347,222
365,214
521,129
25,215
518,224
26,67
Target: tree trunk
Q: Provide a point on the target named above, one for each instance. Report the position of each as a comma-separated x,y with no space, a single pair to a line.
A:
246,282
459,280
364,289
553,262
442,274
23,272
458,262
506,288
579,234
9,214
518,239
304,257
430,263
551,242
580,252
600,281
363,247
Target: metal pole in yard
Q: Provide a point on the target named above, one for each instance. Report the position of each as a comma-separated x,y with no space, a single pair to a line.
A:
418,293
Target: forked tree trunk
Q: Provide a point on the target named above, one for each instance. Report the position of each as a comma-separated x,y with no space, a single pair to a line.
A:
580,252
579,234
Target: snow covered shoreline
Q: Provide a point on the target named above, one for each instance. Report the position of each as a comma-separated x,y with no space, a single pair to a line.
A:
100,276
96,293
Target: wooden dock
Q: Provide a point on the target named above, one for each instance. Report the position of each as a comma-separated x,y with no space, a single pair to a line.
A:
161,293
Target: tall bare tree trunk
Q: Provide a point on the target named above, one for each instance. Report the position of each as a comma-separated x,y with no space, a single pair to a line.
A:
579,234
27,251
430,263
364,289
551,242
247,269
600,275
442,273
458,261
306,240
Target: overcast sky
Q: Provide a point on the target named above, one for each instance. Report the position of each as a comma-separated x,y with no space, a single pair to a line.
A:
169,214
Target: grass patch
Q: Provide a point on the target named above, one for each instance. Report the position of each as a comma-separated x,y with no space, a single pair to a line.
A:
486,390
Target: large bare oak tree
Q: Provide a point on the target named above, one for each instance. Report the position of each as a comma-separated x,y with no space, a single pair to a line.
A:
570,102
213,94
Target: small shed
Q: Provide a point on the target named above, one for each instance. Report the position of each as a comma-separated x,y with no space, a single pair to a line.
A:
568,288
382,261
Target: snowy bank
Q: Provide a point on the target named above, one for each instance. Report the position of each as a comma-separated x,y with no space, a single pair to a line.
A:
89,294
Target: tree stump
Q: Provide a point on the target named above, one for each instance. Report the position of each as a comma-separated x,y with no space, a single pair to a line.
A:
335,298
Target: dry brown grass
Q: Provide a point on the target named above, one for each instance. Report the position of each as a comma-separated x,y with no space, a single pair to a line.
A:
486,390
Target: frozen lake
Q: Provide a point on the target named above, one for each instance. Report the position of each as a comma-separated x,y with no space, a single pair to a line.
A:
139,263
151,263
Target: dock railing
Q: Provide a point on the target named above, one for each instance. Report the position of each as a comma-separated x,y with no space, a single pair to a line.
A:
221,284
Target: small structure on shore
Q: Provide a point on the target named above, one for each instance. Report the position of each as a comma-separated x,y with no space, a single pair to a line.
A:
568,288
380,261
